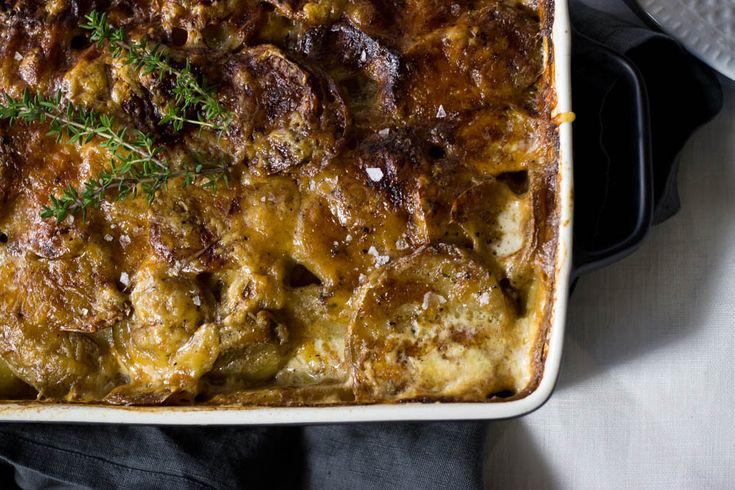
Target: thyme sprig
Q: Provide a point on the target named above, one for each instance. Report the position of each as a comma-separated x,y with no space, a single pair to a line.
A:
136,163
81,125
190,92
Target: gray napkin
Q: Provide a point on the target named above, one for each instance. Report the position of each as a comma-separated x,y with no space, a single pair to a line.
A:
365,456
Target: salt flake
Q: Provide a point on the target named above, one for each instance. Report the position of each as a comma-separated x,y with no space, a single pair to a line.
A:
108,238
429,296
425,304
375,174
380,260
197,300
363,56
441,113
484,298
18,56
384,132
125,279
124,240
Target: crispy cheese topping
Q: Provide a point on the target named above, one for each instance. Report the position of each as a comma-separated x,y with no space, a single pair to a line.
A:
387,232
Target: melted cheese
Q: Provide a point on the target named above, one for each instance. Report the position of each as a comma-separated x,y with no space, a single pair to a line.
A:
386,234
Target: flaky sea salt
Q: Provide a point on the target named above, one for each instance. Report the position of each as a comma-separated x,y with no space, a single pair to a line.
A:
125,279
124,240
363,56
425,304
348,238
18,56
441,113
428,298
375,174
197,300
380,260
108,238
484,298
85,311
384,132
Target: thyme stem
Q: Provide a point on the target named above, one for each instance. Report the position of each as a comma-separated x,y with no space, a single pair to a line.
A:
188,92
134,164
146,154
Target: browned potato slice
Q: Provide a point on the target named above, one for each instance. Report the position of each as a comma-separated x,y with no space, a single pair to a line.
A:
78,294
499,139
285,115
373,193
365,68
433,325
39,301
321,244
317,329
488,54
265,213
308,11
413,17
179,235
251,350
497,220
168,343
257,241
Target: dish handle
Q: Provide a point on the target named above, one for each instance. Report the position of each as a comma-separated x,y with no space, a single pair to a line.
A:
613,179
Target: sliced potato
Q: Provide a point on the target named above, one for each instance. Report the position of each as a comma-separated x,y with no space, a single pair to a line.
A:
497,220
285,115
432,325
168,341
40,301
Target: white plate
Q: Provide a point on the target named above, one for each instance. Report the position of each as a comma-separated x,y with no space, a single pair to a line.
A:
705,27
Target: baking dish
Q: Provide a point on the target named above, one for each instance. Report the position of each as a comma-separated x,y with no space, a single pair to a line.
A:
561,35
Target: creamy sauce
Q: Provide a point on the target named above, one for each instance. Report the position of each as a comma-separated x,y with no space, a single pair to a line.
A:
383,236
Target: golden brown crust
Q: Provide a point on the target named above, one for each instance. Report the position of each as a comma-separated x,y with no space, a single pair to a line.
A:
388,233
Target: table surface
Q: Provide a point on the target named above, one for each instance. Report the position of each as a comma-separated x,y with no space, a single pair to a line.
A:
646,394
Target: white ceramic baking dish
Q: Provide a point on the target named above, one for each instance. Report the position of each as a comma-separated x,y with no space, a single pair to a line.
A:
561,48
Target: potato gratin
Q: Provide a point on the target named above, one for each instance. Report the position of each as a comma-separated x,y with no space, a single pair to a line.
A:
385,228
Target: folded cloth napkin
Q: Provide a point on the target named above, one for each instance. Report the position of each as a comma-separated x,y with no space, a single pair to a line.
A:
683,93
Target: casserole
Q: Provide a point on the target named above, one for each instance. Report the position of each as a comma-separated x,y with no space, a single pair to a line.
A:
549,355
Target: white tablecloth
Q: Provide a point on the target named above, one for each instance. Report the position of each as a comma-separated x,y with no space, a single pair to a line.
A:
646,395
